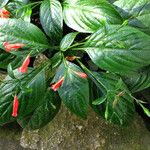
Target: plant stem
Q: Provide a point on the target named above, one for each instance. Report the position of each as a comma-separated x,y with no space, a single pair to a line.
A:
93,76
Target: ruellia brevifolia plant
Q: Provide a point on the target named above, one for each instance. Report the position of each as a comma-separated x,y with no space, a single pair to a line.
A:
96,54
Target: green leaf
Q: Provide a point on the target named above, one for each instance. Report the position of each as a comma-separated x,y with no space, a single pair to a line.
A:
139,80
23,13
99,100
20,10
51,19
119,49
56,60
74,91
3,3
15,5
6,58
28,102
89,15
19,31
146,111
68,40
44,113
10,71
118,106
137,11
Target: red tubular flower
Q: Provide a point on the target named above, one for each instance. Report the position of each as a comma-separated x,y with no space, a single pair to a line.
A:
15,106
24,67
81,74
9,47
4,13
57,84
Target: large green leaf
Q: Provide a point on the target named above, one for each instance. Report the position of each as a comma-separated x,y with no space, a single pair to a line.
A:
137,11
74,91
19,31
119,49
30,87
44,113
117,105
89,15
51,19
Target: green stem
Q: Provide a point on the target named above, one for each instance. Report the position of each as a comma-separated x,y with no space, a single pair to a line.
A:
82,42
80,49
88,71
137,100
34,3
77,44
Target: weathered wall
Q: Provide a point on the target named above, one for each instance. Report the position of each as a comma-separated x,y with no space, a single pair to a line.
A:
67,132
10,138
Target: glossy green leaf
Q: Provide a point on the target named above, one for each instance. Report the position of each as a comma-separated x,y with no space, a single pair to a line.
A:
10,71
74,91
89,15
137,11
23,13
6,58
44,113
56,60
119,49
15,5
139,80
19,31
119,105
51,19
29,101
19,10
3,3
68,40
99,100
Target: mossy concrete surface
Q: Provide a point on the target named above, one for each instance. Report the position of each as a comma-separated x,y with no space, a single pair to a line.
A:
10,137
68,132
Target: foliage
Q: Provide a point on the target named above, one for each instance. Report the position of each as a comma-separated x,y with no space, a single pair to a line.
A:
97,55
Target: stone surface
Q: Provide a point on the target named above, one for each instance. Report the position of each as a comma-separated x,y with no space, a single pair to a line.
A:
10,137
68,132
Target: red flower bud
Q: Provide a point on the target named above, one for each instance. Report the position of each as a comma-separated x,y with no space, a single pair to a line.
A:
9,47
81,74
57,84
15,106
24,67
4,13
71,58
